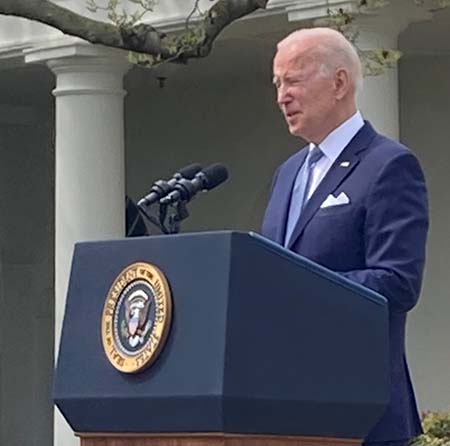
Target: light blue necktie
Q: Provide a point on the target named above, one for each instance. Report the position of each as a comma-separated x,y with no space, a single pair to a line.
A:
300,191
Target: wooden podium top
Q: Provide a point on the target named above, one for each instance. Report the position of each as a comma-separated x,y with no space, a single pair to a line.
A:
208,439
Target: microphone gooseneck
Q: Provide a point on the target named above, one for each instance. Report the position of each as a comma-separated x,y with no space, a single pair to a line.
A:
162,187
207,179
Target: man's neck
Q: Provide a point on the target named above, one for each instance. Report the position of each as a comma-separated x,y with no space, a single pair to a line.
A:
338,120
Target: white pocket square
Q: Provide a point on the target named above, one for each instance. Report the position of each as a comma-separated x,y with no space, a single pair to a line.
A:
331,200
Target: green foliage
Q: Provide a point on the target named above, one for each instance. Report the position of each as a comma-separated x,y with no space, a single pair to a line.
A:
375,62
191,36
143,60
436,427
118,15
176,44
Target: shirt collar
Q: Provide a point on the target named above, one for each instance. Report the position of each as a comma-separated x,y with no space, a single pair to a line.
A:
333,145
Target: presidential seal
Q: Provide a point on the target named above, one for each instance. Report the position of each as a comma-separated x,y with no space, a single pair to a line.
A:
136,317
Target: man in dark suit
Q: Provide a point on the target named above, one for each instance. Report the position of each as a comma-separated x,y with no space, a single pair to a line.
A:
352,200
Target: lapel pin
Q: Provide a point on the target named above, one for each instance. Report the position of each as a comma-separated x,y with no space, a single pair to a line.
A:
345,164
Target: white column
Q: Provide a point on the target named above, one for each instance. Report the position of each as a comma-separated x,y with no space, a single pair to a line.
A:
90,171
379,98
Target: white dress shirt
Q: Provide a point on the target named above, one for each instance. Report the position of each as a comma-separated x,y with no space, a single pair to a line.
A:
332,146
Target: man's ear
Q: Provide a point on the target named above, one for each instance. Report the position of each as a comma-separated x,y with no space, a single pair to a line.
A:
342,83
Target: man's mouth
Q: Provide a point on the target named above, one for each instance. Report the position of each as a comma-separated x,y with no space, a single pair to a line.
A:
290,115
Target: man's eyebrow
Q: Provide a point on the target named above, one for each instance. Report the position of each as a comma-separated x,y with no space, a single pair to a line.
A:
289,77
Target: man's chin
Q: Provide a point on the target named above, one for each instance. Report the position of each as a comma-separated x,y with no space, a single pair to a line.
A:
295,130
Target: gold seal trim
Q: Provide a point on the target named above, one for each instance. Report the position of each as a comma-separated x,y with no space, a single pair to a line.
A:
135,274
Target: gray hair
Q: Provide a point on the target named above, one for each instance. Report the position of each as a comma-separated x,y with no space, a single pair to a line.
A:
333,51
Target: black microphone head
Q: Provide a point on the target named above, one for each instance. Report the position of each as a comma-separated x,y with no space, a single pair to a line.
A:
214,174
190,170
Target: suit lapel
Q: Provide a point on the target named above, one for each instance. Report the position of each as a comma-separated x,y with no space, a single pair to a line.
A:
286,184
334,177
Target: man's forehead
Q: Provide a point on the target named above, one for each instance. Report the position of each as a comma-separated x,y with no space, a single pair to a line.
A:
294,57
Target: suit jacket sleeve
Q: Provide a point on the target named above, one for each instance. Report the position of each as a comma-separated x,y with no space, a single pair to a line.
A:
395,233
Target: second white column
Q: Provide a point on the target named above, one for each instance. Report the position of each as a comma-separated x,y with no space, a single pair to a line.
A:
90,170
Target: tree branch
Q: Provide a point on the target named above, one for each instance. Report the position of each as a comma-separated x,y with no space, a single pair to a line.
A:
220,16
141,38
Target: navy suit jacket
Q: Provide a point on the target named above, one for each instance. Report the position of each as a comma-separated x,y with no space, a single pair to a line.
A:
377,240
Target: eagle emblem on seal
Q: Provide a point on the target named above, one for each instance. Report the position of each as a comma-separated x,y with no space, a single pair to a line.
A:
136,324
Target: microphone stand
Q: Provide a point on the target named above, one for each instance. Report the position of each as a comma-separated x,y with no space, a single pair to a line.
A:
151,218
171,216
175,194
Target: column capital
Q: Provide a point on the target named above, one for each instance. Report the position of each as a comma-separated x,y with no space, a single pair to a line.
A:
68,46
313,9
82,68
381,28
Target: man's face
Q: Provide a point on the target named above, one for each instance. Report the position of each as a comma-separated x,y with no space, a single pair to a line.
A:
305,96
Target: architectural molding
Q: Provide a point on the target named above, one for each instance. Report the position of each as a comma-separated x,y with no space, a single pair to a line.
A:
314,9
72,47
398,15
296,10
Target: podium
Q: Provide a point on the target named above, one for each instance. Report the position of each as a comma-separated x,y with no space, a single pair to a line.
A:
264,348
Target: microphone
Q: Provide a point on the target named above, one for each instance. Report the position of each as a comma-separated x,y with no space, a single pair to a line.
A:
207,179
161,188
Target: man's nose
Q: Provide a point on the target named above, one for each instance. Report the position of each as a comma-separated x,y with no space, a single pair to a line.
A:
283,96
